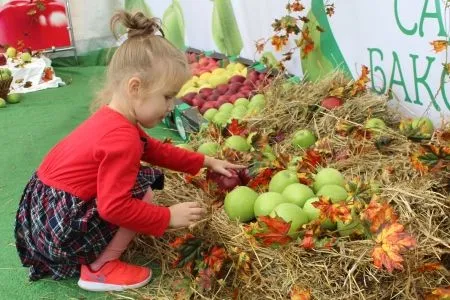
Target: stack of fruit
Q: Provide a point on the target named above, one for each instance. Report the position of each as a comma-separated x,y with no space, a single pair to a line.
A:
204,65
24,57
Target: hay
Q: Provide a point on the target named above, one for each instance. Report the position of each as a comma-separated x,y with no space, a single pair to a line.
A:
346,271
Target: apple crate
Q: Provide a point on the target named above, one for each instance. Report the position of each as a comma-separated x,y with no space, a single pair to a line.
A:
5,84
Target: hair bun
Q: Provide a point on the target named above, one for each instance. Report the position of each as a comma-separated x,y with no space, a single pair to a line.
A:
137,24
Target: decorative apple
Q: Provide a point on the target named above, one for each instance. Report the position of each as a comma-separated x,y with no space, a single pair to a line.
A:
281,180
297,193
328,176
2,103
239,112
237,143
26,57
221,118
303,138
335,193
242,101
208,148
266,203
331,102
239,204
11,52
314,214
237,78
226,107
14,98
3,60
293,214
375,124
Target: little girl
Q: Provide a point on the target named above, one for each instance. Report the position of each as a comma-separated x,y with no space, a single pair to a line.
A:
90,195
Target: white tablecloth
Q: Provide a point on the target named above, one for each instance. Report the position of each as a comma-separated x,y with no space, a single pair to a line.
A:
31,72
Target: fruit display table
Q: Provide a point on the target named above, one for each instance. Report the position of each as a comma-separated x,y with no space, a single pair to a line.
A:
32,76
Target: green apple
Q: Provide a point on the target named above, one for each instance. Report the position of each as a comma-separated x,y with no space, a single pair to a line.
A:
5,74
239,204
221,118
241,101
281,180
209,148
226,107
11,52
239,112
297,193
375,124
336,193
258,100
424,126
26,57
328,176
266,203
238,143
303,138
293,214
313,214
2,103
13,98
210,113
353,227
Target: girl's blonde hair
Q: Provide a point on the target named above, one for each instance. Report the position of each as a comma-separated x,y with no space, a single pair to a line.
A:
158,63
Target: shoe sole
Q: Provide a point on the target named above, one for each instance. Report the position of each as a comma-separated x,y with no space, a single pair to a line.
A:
106,287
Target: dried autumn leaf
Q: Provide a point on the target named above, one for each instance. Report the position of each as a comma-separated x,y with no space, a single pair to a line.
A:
360,85
330,9
308,240
333,211
391,241
279,42
439,45
260,44
298,293
296,6
430,267
180,240
439,294
216,258
234,128
446,68
262,178
273,231
243,264
306,42
378,213
204,279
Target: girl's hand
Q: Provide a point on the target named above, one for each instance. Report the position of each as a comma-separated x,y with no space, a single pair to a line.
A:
185,214
220,166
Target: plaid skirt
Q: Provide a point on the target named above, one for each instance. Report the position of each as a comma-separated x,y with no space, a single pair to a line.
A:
56,231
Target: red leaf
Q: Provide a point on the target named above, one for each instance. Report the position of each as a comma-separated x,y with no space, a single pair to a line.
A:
273,231
237,129
216,258
180,240
430,267
308,240
262,179
298,293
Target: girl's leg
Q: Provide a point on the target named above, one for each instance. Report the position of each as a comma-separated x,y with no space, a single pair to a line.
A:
119,243
108,273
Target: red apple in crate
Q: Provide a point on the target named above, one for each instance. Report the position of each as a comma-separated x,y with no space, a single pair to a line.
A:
234,97
190,96
253,76
234,87
212,97
207,106
237,78
206,92
331,102
222,88
230,93
198,102
249,83
203,61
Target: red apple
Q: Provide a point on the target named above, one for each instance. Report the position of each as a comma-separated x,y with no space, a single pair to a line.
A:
253,76
331,102
212,97
190,96
262,76
249,83
237,78
222,88
206,92
224,182
203,61
207,106
234,87
198,102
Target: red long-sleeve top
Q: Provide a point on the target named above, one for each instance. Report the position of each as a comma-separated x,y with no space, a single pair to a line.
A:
101,159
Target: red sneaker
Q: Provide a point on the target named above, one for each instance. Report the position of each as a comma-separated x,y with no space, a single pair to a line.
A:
115,275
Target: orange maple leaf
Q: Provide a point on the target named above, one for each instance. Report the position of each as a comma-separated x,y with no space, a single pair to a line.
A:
439,45
310,161
379,213
298,293
335,212
260,44
430,267
296,6
274,231
391,241
216,258
360,84
180,240
442,293
279,41
306,43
